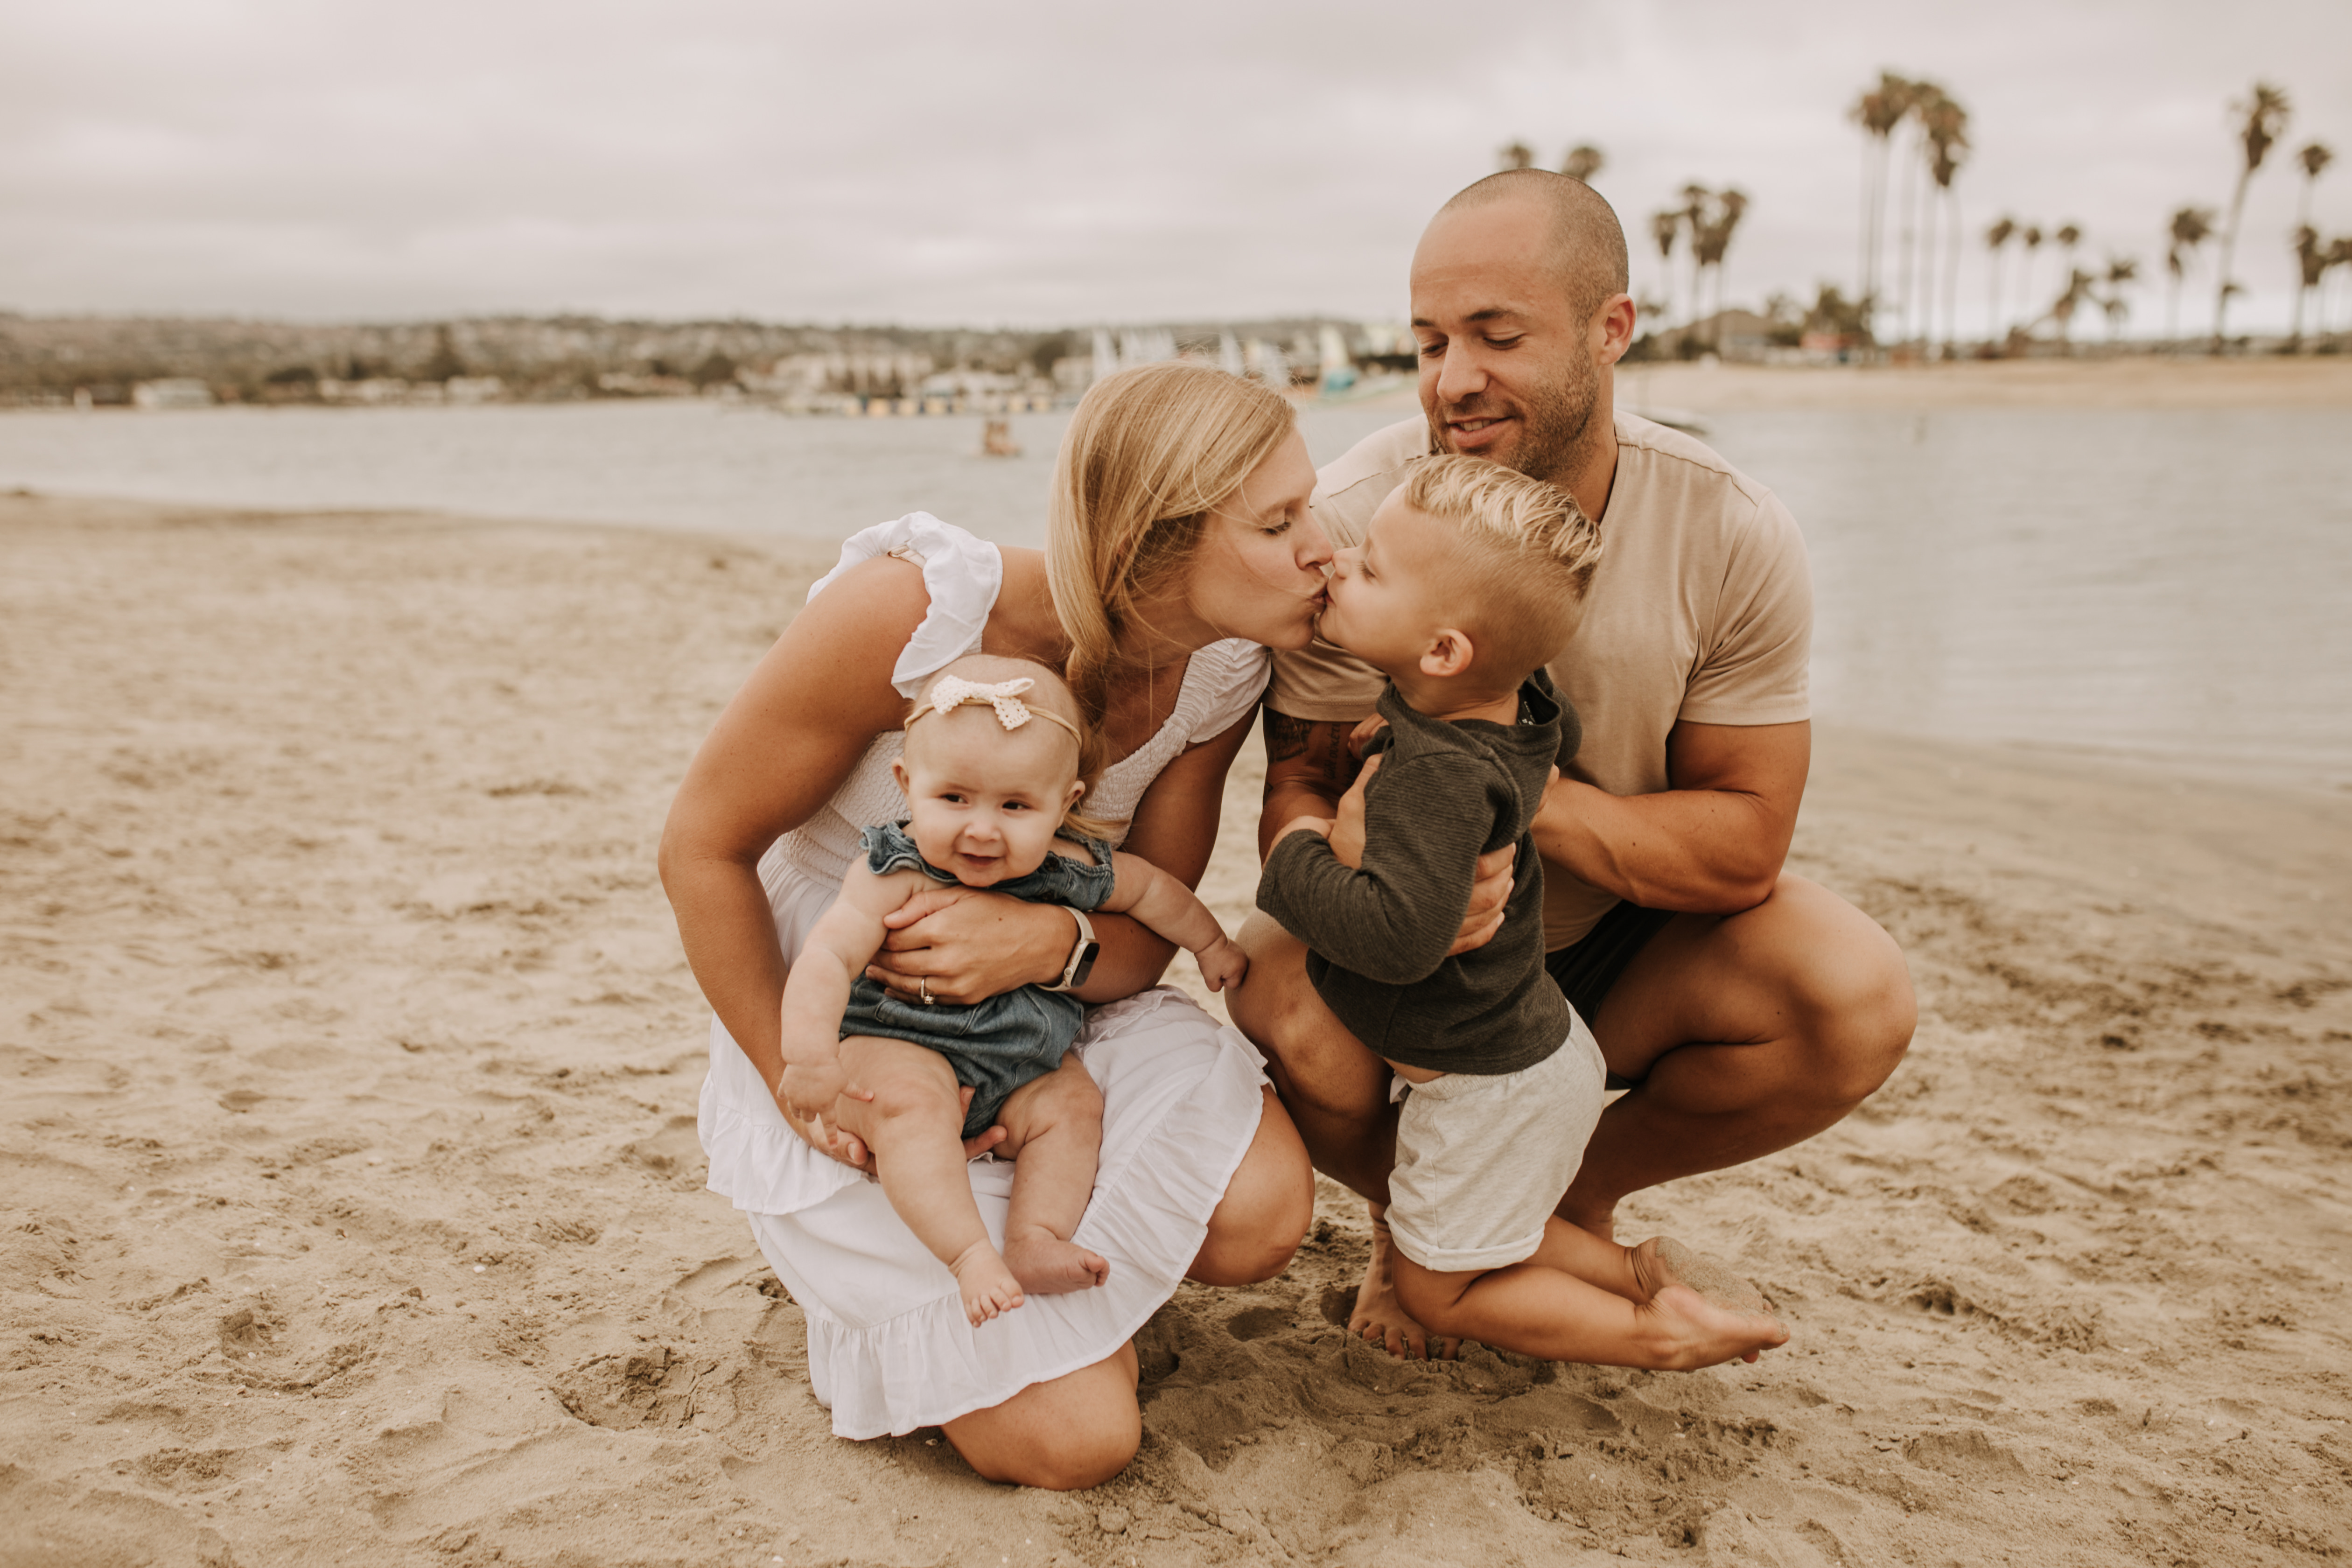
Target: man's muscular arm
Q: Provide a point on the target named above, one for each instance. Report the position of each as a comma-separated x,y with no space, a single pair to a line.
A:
1713,843
1308,766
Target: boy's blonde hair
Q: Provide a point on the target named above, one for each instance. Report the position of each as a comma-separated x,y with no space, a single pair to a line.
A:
1527,560
1150,453
1051,694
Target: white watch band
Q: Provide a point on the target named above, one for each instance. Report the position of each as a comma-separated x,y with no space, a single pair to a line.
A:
1077,949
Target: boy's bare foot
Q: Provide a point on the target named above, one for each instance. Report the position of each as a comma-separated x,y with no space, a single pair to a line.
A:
987,1286
1379,1316
1702,1305
1048,1266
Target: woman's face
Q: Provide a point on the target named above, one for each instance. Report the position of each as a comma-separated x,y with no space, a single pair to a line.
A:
1260,568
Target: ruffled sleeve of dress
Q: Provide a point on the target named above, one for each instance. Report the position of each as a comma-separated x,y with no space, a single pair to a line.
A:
1229,679
960,571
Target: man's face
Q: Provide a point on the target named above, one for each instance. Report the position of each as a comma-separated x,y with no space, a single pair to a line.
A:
1508,368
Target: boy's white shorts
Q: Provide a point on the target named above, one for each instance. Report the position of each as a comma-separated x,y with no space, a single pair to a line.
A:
1481,1162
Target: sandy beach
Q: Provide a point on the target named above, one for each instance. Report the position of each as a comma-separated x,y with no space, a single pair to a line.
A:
354,1212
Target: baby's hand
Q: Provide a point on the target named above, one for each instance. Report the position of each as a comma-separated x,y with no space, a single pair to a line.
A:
1222,964
809,1090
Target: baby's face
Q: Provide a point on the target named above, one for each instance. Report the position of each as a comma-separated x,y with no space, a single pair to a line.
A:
1384,604
985,801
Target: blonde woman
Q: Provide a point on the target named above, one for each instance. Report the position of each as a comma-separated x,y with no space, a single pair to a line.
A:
1180,548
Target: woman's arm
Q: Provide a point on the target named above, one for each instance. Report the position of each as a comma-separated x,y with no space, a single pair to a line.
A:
784,745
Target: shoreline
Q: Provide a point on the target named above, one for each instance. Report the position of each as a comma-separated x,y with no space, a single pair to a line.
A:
354,1184
2137,382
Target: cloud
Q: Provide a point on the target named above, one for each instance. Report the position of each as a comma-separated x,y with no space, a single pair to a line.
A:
1045,164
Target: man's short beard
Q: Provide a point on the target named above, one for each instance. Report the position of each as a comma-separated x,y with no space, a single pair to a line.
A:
1554,422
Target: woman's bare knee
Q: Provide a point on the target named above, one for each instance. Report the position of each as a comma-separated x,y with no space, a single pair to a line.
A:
1076,1431
1269,1202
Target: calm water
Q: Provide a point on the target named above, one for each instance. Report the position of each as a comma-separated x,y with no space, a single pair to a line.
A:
2164,583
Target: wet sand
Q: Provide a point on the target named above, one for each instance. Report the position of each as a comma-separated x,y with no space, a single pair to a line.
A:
353,1210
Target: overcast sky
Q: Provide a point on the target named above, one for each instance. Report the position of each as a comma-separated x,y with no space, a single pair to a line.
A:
1062,164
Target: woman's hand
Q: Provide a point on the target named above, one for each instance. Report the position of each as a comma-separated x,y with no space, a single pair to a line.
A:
851,1150
964,944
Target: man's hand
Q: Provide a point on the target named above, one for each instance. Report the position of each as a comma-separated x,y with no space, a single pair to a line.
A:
964,944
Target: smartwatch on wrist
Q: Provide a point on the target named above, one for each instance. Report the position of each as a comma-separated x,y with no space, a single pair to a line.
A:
1082,955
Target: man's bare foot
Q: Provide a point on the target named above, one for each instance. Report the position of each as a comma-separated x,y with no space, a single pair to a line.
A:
1047,1266
987,1286
1707,1298
1377,1316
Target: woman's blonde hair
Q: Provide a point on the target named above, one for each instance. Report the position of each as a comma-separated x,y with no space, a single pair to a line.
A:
1150,453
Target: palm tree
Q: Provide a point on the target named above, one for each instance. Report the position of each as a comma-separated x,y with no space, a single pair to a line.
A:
1710,240
2311,269
2266,114
1663,225
2310,256
2121,270
2069,234
1516,156
1946,126
2033,238
2078,289
2339,254
1878,112
1582,163
1695,199
2191,227
1997,240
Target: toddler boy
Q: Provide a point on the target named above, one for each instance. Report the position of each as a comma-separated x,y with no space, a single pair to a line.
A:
1470,579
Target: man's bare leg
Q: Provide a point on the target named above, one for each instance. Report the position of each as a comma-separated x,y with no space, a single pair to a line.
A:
1749,1032
1807,999
1338,1095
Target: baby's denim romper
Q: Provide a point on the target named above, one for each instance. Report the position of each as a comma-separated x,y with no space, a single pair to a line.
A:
998,1043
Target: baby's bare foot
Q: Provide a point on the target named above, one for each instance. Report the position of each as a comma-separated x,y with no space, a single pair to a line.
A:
1706,1307
987,1286
1049,1265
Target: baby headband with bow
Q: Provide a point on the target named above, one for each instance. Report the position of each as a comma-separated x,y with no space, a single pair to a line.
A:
1005,696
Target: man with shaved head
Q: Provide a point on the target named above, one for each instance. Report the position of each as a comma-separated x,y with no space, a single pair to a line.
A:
1742,1009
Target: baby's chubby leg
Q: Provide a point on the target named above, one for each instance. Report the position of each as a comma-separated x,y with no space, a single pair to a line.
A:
914,1125
1054,1127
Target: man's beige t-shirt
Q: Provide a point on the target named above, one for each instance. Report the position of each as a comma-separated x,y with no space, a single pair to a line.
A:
1702,609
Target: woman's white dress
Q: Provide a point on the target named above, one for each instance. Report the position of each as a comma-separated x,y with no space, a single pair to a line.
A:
889,1347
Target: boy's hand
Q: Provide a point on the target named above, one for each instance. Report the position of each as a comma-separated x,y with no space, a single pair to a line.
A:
1222,964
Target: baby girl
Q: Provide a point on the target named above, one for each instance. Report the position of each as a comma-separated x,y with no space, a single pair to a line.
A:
996,758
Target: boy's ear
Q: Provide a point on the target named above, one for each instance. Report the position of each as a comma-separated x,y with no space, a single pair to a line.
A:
1449,653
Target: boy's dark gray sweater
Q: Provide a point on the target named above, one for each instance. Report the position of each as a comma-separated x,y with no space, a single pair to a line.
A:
1445,794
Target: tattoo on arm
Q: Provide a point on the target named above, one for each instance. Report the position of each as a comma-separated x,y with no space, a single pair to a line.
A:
1285,738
